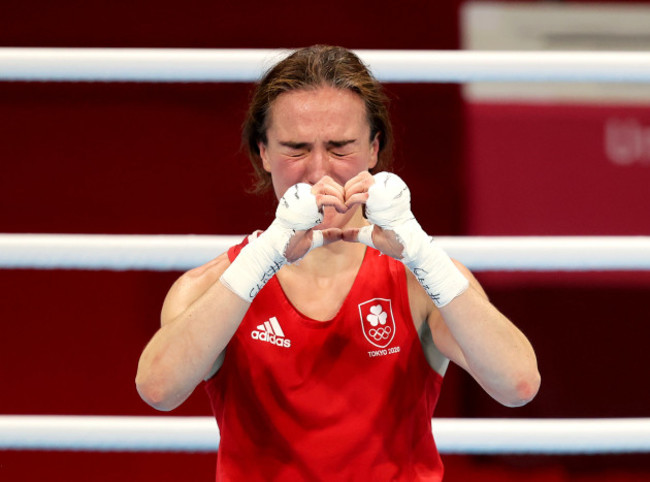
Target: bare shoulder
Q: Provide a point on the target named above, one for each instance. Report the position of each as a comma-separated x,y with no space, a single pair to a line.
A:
191,285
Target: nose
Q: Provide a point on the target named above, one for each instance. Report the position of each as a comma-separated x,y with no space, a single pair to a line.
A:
317,165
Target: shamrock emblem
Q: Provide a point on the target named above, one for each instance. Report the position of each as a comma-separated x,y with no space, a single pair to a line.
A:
377,316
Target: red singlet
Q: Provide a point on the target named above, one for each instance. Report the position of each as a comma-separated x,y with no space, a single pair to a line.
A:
346,399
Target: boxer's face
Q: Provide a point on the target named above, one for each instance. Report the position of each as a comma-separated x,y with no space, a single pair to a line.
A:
317,133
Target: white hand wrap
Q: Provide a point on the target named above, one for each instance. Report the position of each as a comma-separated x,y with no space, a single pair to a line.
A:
259,260
389,207
316,239
365,236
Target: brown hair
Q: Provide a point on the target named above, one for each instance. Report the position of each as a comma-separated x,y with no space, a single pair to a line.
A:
311,67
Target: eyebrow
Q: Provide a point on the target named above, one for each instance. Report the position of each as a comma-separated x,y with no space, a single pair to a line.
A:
303,145
294,145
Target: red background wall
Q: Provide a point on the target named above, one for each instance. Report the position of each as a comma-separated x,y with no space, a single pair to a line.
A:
164,158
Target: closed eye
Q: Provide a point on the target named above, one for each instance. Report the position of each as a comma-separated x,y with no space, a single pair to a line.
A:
295,152
341,148
340,144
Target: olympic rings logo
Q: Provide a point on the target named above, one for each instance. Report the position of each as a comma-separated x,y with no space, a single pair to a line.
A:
381,333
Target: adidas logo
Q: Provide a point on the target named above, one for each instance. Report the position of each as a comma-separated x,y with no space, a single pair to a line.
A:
271,332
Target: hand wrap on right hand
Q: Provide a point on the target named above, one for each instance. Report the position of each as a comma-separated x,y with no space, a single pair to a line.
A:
259,260
389,207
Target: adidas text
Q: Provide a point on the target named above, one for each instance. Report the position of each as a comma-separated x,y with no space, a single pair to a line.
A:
271,332
263,336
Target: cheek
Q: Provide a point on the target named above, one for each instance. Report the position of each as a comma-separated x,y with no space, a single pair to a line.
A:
284,175
288,169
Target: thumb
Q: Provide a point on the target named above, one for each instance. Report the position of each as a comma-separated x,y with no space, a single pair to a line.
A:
302,242
323,237
359,235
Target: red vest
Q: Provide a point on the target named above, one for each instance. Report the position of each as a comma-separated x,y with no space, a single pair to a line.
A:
347,399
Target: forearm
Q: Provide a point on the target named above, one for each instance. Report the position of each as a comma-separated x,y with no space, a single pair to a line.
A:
183,351
481,339
196,331
495,351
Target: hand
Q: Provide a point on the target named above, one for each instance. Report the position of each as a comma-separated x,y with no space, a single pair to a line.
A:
301,208
289,237
357,191
388,207
330,193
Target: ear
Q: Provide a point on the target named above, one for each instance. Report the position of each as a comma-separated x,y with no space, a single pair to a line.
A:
374,152
264,156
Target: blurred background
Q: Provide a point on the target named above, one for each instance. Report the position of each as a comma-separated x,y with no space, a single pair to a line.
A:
146,158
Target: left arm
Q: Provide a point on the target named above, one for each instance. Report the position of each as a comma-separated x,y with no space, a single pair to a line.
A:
472,333
465,326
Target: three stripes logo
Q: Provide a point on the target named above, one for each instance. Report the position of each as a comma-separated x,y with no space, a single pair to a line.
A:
271,332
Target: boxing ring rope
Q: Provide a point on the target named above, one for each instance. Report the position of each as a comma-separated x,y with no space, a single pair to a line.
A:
200,434
182,252
246,65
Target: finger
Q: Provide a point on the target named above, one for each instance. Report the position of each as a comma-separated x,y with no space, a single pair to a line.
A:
364,235
302,242
331,235
323,200
299,246
359,235
362,176
350,235
327,185
329,189
316,239
323,237
356,189
329,193
360,182
359,198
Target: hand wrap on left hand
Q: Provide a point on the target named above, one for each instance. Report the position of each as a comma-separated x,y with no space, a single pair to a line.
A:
389,207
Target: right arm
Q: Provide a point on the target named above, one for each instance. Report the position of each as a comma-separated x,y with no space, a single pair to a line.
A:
199,317
204,308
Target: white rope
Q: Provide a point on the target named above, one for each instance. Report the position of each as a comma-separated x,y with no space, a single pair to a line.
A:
111,252
550,253
173,434
543,436
182,252
200,434
247,65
